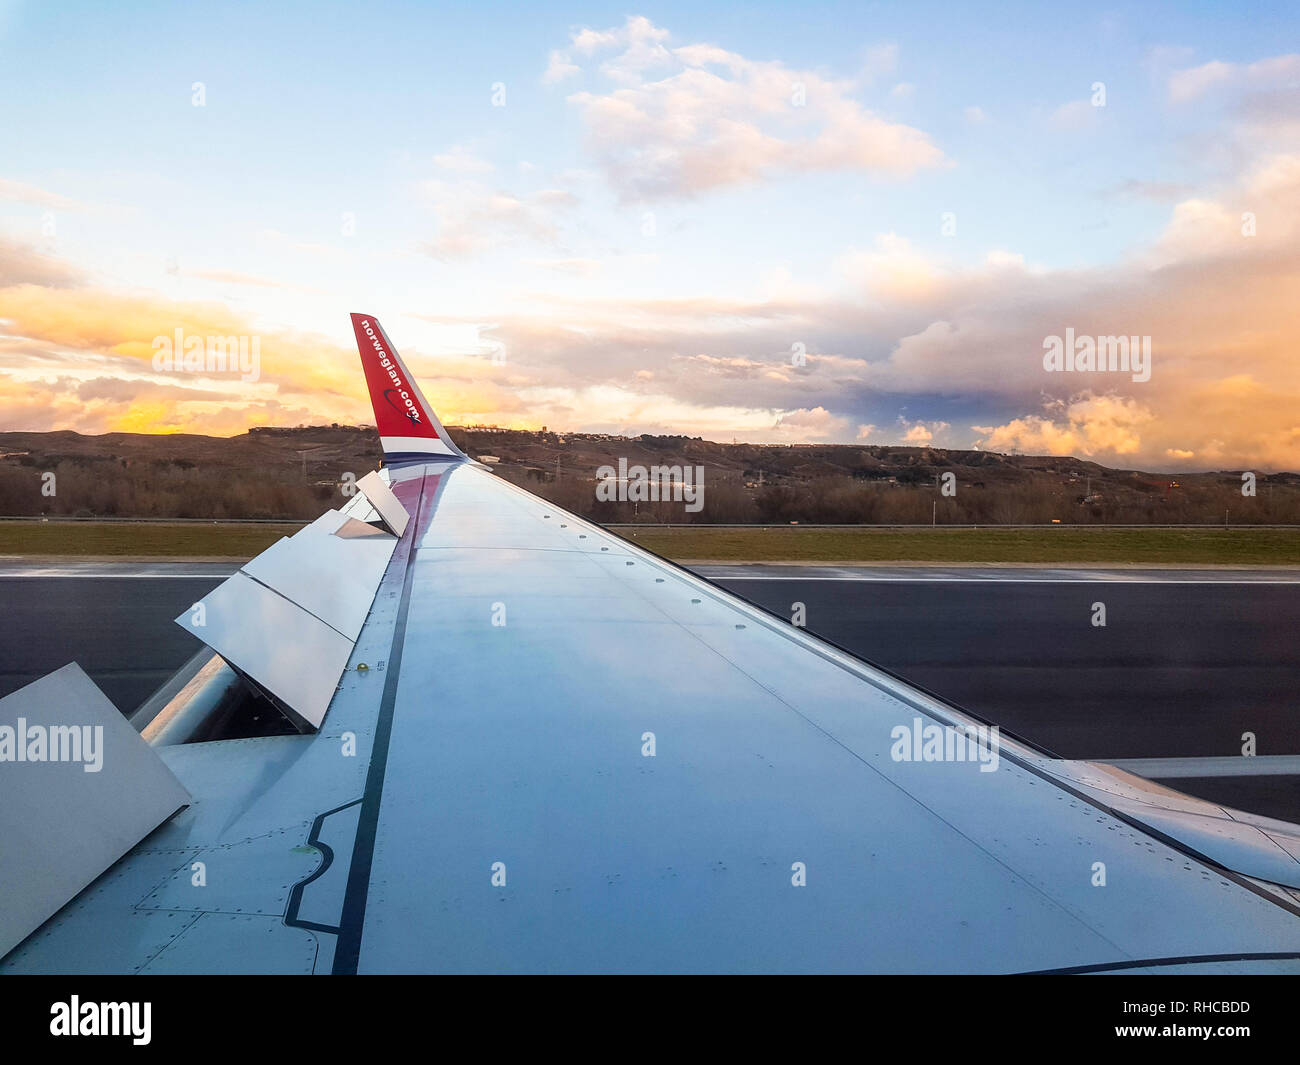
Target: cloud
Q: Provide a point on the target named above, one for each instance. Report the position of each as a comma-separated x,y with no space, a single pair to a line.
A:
815,424
891,270
559,67
474,219
1089,425
902,328
887,325
18,192
1188,84
75,398
235,277
90,331
1193,82
23,264
920,434
124,390
1075,115
683,121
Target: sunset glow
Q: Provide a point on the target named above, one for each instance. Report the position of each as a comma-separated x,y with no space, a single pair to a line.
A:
841,227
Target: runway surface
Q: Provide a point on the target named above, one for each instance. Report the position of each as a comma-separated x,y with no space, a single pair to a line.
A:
1183,667
1187,662
114,620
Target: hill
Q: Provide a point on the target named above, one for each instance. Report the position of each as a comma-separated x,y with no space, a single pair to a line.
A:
292,474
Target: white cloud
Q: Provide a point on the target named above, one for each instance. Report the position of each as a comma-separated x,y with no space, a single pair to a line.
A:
1075,115
1188,84
1192,82
815,424
558,68
892,270
682,121
474,219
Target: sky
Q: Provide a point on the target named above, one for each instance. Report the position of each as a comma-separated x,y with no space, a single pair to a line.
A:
853,223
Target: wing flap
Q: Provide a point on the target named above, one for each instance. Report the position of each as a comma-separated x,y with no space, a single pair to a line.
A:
330,576
65,820
288,621
286,651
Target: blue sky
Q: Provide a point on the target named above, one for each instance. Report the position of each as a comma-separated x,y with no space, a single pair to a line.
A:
651,223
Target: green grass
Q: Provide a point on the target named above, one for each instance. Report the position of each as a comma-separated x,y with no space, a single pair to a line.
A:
182,540
1224,547
1209,547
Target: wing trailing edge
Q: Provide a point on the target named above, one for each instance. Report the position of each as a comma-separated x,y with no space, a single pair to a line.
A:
289,620
79,789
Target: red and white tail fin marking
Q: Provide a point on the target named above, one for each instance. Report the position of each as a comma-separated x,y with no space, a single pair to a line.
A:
408,427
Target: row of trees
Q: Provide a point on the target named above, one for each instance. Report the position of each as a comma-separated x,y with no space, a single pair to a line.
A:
107,488
847,501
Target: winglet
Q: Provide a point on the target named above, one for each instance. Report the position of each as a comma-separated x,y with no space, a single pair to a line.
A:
408,428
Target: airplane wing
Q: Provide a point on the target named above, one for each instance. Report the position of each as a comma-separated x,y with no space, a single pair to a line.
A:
523,744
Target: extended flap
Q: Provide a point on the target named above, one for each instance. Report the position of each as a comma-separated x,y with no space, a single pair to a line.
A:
78,789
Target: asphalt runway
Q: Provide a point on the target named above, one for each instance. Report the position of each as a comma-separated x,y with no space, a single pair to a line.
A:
1186,663
118,628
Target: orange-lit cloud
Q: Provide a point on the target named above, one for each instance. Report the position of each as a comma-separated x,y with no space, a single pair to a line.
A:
887,327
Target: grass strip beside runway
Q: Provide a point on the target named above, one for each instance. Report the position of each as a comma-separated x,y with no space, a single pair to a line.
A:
1211,547
1127,546
89,539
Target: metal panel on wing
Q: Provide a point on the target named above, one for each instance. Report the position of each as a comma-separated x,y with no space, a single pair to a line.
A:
329,576
359,507
64,821
381,497
286,651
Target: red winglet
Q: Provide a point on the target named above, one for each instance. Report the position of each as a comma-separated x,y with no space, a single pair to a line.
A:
408,427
